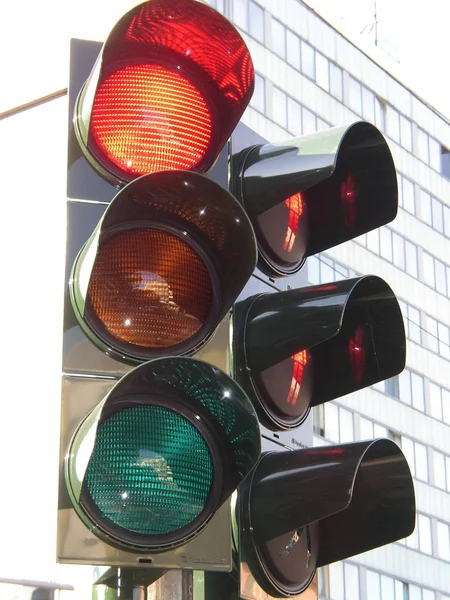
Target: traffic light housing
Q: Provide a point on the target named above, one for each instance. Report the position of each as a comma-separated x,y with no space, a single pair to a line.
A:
151,276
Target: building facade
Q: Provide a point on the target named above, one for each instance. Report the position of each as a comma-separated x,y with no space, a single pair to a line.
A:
310,77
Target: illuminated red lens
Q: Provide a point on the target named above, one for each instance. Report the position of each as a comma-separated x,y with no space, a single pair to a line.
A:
357,354
285,389
147,118
299,361
349,200
149,289
295,206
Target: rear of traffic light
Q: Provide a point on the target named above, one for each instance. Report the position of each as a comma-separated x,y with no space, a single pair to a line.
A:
296,349
167,90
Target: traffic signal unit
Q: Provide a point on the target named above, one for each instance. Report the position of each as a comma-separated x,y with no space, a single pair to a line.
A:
193,348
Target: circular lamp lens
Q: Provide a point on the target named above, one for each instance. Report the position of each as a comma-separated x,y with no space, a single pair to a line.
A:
148,118
151,483
282,233
149,290
285,390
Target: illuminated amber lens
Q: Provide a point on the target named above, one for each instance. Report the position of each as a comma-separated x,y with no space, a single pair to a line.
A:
146,118
150,289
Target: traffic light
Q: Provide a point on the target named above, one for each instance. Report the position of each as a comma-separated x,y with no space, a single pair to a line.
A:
156,436
312,193
303,508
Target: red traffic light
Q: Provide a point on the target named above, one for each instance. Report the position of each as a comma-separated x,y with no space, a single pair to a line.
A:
168,88
302,347
311,193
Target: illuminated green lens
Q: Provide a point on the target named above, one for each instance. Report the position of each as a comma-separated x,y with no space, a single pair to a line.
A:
150,471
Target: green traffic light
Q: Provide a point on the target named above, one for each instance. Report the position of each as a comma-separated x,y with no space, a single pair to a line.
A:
154,481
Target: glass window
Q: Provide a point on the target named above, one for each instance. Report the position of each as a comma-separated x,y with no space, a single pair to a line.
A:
309,121
445,162
307,54
408,196
411,259
346,425
313,266
373,585
293,49
387,588
435,154
240,13
322,72
418,396
439,474
294,117
441,282
428,269
446,220
421,461
413,540
336,87
373,241
428,595
392,123
258,99
432,333
401,590
435,401
331,422
278,38
279,107
445,405
380,112
405,386
415,332
438,218
256,21
425,207
422,145
337,581
443,541
368,105
386,243
399,250
351,575
354,95
365,429
408,451
444,340
424,524
405,133
415,593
